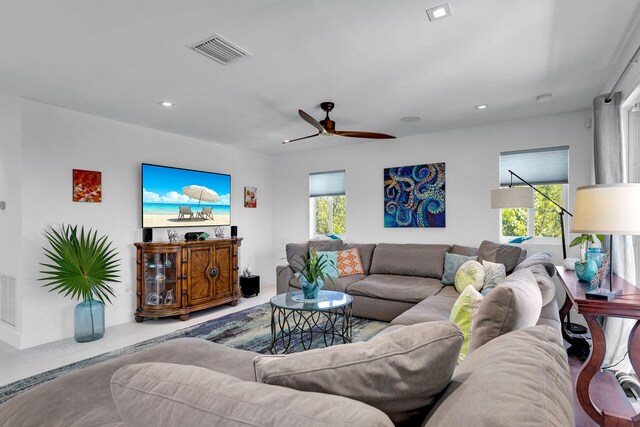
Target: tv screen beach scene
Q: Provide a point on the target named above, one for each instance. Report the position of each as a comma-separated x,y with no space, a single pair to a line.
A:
173,197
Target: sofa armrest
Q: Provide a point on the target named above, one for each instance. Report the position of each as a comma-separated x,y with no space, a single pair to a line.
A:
284,274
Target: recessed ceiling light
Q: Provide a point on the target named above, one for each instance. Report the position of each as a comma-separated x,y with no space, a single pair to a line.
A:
481,107
166,103
410,119
439,12
545,97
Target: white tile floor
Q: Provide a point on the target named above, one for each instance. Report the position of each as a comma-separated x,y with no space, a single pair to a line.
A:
18,364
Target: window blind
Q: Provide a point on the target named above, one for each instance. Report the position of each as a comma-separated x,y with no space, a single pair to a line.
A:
537,166
326,184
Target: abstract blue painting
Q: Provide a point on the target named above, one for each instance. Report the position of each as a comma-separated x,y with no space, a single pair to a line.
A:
414,196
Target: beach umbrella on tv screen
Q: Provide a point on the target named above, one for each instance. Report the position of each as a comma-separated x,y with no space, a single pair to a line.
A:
203,194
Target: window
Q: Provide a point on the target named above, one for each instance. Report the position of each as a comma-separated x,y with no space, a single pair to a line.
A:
327,202
547,169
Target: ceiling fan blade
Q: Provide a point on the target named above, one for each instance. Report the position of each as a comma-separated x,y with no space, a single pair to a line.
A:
356,134
313,122
286,141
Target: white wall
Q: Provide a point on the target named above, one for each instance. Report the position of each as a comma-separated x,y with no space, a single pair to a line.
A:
10,185
472,159
55,141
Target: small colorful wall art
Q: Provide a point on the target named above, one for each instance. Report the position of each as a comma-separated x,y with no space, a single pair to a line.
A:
250,197
414,196
87,186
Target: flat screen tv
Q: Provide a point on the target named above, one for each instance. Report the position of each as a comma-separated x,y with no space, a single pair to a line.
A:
174,197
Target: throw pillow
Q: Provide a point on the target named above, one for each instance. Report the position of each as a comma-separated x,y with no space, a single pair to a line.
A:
462,314
401,372
330,267
494,273
349,263
452,263
166,394
512,305
503,254
471,273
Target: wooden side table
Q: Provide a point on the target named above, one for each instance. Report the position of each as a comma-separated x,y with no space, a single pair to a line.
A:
627,305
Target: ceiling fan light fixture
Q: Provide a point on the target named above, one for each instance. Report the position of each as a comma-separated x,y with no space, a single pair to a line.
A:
166,103
439,12
481,107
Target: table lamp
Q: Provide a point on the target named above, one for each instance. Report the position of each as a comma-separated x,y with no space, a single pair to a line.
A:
607,209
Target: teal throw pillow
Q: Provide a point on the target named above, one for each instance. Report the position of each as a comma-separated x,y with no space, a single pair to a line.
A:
331,266
452,263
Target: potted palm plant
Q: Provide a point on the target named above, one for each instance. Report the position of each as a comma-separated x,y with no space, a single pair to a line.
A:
313,274
81,265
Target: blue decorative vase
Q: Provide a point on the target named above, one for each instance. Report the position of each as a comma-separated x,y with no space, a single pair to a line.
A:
596,255
88,319
310,290
586,270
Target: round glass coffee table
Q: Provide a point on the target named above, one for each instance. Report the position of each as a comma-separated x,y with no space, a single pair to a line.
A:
328,316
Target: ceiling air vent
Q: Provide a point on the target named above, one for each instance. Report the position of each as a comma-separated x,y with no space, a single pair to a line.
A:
219,49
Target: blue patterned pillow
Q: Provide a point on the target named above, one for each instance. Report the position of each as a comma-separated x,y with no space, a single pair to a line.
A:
452,263
331,267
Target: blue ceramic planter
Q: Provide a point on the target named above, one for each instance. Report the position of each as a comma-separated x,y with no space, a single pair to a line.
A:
310,290
586,270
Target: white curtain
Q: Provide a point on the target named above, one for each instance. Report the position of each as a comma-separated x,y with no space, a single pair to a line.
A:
610,158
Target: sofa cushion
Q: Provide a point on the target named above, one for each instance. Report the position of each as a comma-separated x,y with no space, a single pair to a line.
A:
325,245
437,307
463,313
513,304
396,288
295,251
545,283
503,254
366,253
349,262
539,258
341,283
494,273
464,250
471,273
400,372
409,259
521,378
330,259
162,394
452,262
83,397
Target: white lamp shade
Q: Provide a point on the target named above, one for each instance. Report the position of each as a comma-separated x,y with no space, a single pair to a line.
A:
512,197
607,209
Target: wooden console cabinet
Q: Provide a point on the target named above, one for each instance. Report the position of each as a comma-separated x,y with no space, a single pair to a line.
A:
175,279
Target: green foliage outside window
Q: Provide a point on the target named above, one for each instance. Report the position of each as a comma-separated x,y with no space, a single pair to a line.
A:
545,219
338,213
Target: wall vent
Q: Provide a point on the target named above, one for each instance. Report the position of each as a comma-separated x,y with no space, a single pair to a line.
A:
8,299
219,49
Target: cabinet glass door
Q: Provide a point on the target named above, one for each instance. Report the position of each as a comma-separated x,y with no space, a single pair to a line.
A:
160,279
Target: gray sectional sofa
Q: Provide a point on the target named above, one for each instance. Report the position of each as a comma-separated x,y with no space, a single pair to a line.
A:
402,282
516,378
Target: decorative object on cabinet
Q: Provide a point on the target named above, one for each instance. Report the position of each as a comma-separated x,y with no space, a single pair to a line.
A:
414,196
250,197
87,186
82,265
175,279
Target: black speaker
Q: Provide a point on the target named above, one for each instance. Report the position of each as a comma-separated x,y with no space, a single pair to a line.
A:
234,231
147,235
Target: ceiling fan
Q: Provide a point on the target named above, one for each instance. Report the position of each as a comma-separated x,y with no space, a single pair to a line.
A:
327,127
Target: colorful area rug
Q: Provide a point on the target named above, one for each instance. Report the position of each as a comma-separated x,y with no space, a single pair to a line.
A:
248,329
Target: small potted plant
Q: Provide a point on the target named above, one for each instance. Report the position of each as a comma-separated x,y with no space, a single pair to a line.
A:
586,269
313,274
81,266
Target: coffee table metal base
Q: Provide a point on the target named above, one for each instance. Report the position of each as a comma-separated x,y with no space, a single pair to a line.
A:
330,324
